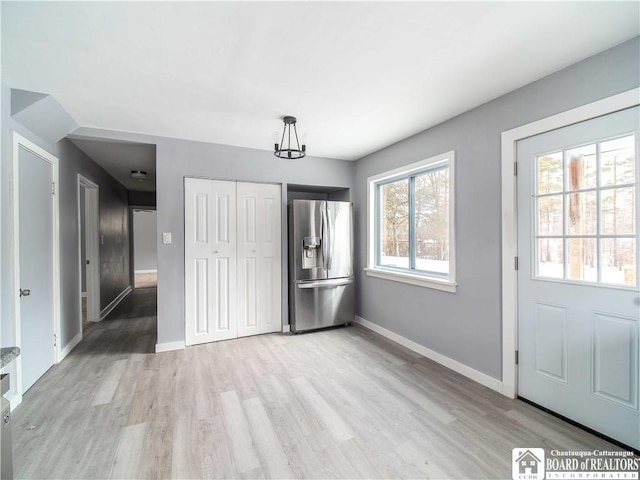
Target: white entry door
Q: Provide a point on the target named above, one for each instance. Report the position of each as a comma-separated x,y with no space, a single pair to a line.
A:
36,272
259,258
578,295
210,260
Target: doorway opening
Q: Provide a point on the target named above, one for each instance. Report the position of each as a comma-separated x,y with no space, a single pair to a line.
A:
88,251
145,259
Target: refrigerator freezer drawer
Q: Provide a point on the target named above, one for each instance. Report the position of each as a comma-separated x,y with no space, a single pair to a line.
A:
322,304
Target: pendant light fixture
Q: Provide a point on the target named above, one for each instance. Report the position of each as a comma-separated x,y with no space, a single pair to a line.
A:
287,148
139,175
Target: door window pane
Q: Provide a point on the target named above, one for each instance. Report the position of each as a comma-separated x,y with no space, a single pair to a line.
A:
618,261
618,212
582,259
549,173
618,161
432,221
581,167
550,215
586,200
550,257
582,213
394,224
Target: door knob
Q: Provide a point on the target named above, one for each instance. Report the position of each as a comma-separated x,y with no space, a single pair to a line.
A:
216,251
25,292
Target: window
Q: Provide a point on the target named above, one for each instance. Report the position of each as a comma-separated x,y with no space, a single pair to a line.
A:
411,227
585,225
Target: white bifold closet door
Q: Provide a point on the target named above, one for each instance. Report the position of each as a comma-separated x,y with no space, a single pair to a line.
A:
232,259
259,258
210,260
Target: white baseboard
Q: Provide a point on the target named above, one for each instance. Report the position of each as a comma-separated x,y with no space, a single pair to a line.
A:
461,368
155,270
14,400
70,346
169,346
286,328
114,303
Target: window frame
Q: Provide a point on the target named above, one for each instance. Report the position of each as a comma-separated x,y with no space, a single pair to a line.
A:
411,276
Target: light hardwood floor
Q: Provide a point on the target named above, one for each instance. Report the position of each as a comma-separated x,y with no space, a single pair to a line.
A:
341,403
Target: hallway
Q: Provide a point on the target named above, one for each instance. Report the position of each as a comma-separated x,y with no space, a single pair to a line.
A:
69,422
340,403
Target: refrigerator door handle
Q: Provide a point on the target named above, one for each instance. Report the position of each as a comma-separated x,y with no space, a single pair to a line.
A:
325,239
326,283
329,240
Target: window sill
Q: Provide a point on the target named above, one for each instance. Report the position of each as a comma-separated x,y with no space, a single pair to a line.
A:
418,280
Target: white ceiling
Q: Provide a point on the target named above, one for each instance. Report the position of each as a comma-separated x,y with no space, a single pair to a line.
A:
359,76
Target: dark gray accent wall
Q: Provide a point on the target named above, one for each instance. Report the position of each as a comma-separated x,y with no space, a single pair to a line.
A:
114,233
466,326
114,228
142,199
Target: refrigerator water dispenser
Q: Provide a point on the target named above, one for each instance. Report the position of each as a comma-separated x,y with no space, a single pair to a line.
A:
311,252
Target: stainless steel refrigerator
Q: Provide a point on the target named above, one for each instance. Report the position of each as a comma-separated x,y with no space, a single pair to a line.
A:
321,289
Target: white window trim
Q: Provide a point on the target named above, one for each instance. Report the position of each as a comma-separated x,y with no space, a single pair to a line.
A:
447,285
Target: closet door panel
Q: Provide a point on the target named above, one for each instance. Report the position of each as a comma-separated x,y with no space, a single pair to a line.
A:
259,258
210,261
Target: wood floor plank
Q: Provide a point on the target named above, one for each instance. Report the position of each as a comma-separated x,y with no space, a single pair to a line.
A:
126,463
237,428
272,457
109,384
331,419
412,393
215,457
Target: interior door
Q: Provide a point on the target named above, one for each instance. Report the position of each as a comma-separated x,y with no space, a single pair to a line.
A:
210,260
259,258
36,268
578,296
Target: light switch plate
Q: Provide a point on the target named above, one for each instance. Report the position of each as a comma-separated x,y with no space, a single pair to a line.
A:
166,238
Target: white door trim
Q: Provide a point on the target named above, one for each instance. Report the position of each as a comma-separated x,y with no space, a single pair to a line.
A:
92,236
18,142
510,138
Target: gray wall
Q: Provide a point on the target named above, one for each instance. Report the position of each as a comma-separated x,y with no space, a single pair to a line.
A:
114,231
144,240
466,326
177,159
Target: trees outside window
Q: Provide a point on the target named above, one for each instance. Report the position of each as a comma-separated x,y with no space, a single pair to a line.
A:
413,217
